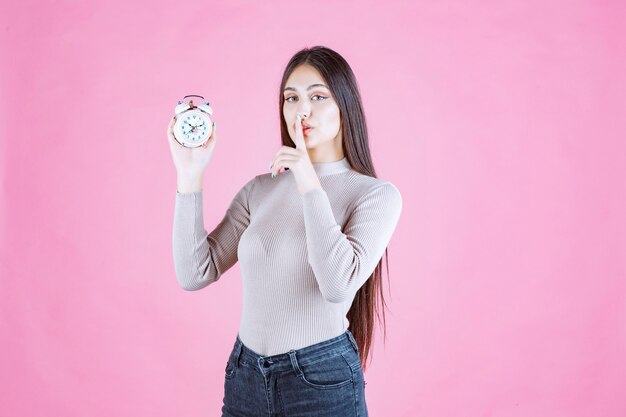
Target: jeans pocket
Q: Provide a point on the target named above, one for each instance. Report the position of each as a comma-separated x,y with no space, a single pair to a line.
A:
229,372
230,369
327,373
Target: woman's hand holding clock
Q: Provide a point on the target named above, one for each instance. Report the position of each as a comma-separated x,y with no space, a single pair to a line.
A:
190,160
297,160
190,163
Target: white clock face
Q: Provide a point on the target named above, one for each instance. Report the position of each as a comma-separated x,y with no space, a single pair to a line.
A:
194,126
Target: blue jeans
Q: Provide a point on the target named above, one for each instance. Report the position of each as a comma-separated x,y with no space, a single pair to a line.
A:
323,379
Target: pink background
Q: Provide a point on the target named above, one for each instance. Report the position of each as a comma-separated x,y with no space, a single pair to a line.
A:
502,123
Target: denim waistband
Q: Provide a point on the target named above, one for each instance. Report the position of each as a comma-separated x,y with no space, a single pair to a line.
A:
303,356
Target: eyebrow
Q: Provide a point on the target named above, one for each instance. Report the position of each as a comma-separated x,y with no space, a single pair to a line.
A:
311,86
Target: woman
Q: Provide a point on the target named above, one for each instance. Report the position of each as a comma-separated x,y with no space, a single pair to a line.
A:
309,236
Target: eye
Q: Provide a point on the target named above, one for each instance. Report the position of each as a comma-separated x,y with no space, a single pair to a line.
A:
287,99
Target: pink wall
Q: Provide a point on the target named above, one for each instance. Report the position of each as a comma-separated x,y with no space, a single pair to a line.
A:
501,122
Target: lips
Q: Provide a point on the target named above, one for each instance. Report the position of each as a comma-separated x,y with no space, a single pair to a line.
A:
306,128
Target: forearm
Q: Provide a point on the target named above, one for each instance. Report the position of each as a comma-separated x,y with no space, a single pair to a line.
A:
201,258
343,260
191,247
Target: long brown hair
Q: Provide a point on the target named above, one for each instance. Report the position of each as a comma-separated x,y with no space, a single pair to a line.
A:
343,86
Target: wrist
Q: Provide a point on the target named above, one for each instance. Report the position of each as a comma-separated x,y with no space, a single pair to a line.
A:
188,183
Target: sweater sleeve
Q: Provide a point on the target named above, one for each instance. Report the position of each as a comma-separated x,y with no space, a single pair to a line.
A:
200,258
343,261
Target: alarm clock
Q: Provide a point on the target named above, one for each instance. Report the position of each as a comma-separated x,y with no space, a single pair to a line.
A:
193,125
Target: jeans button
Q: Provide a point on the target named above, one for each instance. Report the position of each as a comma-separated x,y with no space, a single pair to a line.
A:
266,364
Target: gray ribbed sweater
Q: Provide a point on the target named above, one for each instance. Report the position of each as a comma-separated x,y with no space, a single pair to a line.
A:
302,257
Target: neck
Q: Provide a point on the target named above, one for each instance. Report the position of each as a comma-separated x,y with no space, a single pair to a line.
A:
332,167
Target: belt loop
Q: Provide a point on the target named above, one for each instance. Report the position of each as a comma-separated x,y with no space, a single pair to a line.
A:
294,362
352,340
238,350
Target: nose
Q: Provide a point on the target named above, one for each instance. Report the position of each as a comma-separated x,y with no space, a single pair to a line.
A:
304,109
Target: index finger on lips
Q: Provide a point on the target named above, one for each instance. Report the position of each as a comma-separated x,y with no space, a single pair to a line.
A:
299,135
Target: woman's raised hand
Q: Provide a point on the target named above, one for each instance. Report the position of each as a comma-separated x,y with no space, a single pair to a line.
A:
190,162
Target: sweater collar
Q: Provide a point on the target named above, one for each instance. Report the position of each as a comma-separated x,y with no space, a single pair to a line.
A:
333,167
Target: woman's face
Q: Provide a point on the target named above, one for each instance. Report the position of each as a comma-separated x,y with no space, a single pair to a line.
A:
306,92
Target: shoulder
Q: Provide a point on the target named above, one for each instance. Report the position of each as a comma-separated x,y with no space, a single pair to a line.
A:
377,192
369,185
382,190
248,184
245,188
